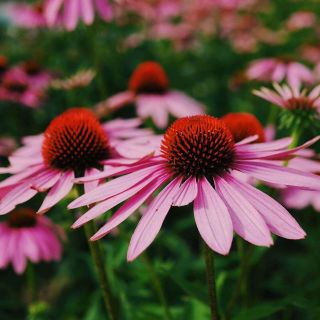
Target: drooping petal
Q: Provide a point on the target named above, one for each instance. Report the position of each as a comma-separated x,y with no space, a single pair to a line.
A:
187,192
87,11
129,207
212,218
246,220
58,192
151,222
114,187
276,216
270,172
111,202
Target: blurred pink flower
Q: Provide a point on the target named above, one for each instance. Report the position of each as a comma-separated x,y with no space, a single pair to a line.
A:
197,158
73,143
15,86
24,83
277,69
292,97
26,16
149,90
27,236
69,12
311,53
300,20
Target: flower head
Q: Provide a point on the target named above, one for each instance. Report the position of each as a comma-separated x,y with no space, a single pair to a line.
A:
27,236
243,125
149,90
74,143
301,107
196,164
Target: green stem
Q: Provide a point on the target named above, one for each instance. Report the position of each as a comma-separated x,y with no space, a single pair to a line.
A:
209,261
241,288
97,257
157,286
31,283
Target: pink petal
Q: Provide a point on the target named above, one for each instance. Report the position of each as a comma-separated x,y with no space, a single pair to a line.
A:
52,8
111,202
71,14
130,207
19,194
180,105
187,192
30,247
151,222
91,185
269,172
58,192
86,10
246,220
104,9
266,146
212,218
276,216
113,187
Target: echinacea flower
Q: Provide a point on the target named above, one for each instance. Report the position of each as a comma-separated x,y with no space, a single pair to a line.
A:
26,236
300,106
69,12
278,69
73,144
15,86
149,90
198,157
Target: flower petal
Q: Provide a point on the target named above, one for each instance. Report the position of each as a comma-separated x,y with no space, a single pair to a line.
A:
151,222
212,218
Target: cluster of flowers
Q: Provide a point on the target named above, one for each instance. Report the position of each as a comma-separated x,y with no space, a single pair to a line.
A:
24,83
179,21
210,162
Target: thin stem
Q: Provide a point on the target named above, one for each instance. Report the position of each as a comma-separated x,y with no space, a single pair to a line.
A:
209,261
97,257
31,283
157,286
241,287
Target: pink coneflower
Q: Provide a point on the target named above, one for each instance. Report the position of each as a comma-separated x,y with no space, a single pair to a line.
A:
69,12
26,16
292,98
149,90
277,69
27,236
73,144
198,157
15,86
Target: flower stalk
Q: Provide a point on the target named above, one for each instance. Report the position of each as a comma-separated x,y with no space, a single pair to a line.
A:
210,273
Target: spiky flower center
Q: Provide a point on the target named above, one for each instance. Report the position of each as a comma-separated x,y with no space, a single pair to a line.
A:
22,218
243,125
300,103
198,146
75,140
149,77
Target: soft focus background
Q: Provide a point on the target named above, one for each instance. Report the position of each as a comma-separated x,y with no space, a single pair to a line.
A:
205,47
